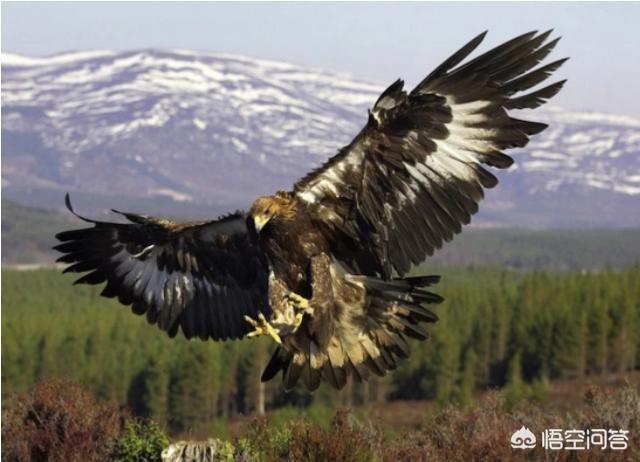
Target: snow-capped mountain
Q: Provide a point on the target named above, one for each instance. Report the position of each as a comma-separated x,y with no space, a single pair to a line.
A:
217,129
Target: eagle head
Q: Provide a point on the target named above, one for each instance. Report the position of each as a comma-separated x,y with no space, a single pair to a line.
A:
280,207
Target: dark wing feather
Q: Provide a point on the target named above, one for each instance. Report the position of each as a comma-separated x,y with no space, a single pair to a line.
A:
203,277
415,173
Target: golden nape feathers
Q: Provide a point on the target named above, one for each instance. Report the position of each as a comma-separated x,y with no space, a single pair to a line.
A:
282,205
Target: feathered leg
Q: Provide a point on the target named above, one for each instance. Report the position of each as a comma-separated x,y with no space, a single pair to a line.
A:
321,286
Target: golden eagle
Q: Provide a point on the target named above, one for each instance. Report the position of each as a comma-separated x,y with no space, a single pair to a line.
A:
321,268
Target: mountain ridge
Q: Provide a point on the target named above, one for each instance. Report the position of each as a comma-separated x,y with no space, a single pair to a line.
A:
214,128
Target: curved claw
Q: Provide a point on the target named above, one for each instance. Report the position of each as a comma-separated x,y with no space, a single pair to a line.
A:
262,327
298,301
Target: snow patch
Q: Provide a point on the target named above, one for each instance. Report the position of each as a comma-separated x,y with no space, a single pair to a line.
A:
199,123
548,155
175,195
539,165
632,190
79,102
13,59
240,146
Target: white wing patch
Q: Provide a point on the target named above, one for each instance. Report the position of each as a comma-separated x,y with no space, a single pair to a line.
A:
416,172
452,159
330,180
473,107
307,196
455,156
143,252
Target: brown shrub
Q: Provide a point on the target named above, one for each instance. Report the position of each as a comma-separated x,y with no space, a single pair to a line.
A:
606,409
478,433
483,432
346,440
58,421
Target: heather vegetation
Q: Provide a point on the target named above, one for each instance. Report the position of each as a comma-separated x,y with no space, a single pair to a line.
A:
477,432
61,421
497,328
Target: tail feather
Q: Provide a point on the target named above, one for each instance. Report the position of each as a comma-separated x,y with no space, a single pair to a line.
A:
388,359
421,314
421,281
334,375
410,329
293,371
278,361
311,376
393,310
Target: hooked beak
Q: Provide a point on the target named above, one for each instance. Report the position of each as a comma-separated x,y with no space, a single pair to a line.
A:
259,222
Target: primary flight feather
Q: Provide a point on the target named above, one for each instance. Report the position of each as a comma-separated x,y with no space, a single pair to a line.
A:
321,268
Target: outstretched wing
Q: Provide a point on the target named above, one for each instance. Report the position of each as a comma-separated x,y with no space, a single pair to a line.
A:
414,174
204,277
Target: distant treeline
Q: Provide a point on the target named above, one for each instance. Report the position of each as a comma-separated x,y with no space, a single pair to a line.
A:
28,236
496,327
543,249
28,233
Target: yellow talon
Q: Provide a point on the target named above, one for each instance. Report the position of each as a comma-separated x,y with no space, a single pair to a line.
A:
262,327
299,301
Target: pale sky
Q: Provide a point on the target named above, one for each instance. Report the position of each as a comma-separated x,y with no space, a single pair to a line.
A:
378,42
